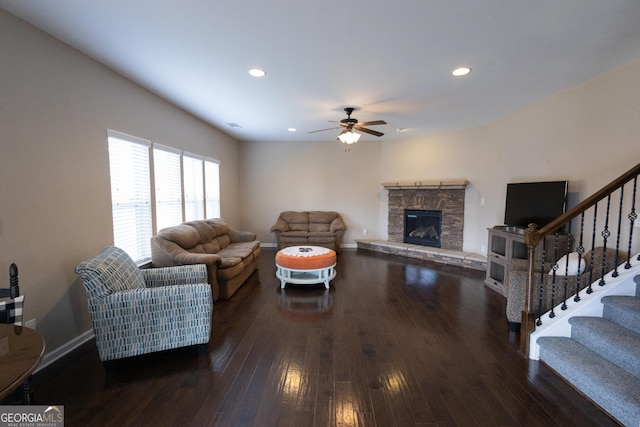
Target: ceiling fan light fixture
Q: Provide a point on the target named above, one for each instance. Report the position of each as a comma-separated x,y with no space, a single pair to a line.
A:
461,71
349,137
257,72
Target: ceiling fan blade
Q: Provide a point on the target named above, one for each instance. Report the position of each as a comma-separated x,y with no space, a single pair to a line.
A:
322,130
373,123
369,131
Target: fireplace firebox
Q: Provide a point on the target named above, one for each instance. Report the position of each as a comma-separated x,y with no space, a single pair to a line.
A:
422,227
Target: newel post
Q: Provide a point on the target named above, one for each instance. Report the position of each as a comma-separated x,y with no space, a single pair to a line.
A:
532,239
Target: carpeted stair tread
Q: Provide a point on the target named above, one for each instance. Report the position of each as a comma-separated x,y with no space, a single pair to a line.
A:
624,310
615,343
613,388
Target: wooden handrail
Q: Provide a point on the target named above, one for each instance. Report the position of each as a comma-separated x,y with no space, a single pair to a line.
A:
533,236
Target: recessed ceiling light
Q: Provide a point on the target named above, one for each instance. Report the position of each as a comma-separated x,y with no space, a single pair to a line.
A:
292,129
461,71
257,72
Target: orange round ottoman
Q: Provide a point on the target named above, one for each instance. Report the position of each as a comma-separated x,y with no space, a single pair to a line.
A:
305,265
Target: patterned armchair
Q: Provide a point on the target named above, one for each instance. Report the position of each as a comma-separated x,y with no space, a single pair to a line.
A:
136,311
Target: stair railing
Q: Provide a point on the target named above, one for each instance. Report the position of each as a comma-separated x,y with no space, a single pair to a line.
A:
585,221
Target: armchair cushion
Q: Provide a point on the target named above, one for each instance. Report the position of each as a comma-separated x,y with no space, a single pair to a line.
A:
113,271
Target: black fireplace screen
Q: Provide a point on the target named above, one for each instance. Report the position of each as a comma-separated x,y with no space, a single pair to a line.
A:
422,227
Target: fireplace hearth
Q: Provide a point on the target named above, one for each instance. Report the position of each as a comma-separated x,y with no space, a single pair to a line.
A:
422,227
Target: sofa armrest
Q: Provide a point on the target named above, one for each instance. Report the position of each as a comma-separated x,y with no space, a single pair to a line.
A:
179,275
187,258
280,225
337,225
241,236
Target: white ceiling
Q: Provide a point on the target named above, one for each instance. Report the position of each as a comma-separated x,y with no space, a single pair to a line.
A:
390,60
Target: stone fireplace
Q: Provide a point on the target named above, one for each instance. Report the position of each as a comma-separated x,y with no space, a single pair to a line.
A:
445,197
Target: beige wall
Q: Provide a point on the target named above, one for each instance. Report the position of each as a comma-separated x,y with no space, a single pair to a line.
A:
310,176
55,208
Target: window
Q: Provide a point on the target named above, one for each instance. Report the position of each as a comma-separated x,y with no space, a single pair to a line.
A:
183,187
130,194
212,188
168,186
193,187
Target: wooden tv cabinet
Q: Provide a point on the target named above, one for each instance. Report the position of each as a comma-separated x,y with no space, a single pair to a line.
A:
507,243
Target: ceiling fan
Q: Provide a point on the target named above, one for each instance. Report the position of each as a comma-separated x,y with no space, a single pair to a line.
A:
348,135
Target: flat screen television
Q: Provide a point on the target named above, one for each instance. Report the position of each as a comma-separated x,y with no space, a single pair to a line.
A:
537,202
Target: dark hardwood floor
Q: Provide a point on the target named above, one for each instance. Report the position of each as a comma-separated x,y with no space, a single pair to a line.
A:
395,342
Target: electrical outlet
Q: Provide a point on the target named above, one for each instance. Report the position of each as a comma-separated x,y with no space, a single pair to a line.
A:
31,324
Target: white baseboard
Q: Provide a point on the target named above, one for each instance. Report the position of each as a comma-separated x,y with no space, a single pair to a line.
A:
65,349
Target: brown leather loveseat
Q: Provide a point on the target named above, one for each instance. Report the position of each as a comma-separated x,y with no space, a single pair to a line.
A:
230,255
317,228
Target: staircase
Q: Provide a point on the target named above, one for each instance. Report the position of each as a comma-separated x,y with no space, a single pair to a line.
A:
601,358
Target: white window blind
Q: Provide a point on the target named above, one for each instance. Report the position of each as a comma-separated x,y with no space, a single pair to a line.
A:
130,194
212,188
193,175
168,186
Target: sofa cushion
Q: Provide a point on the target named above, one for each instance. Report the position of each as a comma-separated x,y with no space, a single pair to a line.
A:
321,237
219,227
229,262
223,240
183,235
205,231
322,217
295,234
319,226
211,247
234,267
236,250
298,221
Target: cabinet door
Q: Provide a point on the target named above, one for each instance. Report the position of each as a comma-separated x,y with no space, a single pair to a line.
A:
519,249
498,245
496,275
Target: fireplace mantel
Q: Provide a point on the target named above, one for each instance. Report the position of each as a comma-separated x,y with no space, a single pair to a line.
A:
427,184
